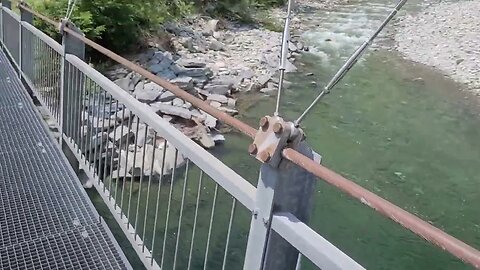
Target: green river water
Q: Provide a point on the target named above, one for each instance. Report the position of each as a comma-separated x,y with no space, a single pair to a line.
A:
415,142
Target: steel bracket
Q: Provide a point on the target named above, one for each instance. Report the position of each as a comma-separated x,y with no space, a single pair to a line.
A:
272,137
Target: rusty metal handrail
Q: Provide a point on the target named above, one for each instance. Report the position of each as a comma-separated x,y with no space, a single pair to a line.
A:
411,222
432,234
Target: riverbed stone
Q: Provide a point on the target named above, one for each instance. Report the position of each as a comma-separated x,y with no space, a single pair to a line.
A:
172,110
195,72
166,96
218,98
121,133
217,89
147,94
184,82
167,74
190,63
123,83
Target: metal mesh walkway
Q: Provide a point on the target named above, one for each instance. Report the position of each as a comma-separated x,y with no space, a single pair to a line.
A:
46,218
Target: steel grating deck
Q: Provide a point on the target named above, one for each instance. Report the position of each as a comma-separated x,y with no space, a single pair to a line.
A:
46,218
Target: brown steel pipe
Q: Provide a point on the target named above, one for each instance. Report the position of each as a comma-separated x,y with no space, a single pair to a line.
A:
411,222
177,91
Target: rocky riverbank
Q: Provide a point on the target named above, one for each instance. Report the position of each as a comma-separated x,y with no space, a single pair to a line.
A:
445,36
213,60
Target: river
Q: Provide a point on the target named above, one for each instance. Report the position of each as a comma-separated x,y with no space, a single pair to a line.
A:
399,129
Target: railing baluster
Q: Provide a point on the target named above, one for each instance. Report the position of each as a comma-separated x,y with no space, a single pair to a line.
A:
83,121
127,151
230,223
214,204
79,113
185,181
167,219
96,151
105,163
148,195
142,174
132,179
119,156
194,229
102,132
165,144
112,158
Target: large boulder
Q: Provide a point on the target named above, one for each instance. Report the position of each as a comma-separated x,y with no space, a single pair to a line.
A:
195,72
184,82
172,110
190,63
150,92
212,26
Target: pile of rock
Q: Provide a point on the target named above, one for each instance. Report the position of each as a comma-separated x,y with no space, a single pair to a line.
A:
213,62
241,54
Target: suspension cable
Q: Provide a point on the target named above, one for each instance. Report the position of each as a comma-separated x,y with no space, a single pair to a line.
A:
70,8
284,53
350,62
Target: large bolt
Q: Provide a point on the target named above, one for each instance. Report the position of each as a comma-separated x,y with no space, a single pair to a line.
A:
252,149
264,122
278,128
264,156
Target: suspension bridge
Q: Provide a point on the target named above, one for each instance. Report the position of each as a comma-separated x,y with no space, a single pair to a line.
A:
49,222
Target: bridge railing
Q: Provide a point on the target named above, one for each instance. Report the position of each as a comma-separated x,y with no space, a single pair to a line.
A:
140,163
163,189
178,205
11,33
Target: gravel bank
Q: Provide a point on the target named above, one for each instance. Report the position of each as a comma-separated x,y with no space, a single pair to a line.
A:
445,36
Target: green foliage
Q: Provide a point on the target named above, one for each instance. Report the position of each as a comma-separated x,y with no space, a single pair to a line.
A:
117,24
121,24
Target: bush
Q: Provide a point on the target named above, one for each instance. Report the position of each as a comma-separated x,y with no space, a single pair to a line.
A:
119,24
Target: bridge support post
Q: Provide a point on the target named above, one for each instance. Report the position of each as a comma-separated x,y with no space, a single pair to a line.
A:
26,50
286,188
70,90
5,4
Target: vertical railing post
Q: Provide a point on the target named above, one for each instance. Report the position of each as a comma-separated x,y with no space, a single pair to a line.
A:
70,96
287,188
25,46
5,4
